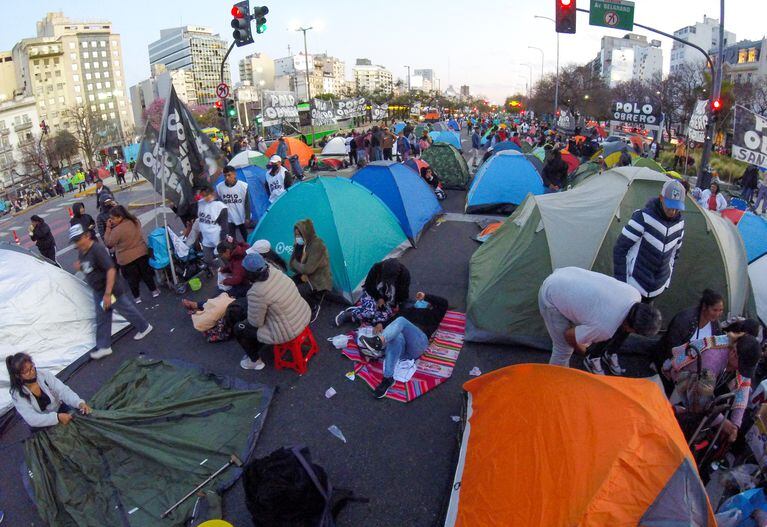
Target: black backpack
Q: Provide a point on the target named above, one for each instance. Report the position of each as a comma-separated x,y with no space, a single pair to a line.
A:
286,489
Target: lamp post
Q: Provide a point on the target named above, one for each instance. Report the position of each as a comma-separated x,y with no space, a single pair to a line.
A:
556,80
308,85
542,57
409,103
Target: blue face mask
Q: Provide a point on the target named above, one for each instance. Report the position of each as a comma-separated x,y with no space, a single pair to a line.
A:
299,240
421,304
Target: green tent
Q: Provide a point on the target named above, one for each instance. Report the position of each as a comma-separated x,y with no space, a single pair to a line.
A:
356,226
647,163
579,228
582,173
449,164
419,130
158,429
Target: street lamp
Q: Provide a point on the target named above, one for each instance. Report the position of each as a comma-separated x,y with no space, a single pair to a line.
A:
308,85
556,81
538,49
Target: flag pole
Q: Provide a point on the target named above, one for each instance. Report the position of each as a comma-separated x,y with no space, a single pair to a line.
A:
160,138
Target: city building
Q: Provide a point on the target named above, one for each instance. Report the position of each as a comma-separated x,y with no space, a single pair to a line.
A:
326,74
247,97
465,94
75,64
258,70
143,94
632,57
703,34
369,77
195,48
746,61
19,125
7,76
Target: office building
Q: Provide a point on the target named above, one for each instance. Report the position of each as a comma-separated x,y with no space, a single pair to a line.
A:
7,76
703,34
370,78
465,94
632,57
143,94
326,74
258,70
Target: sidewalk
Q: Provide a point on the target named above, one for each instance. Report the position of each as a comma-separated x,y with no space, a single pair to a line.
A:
111,182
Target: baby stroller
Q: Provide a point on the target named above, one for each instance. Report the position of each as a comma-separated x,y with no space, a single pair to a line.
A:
187,262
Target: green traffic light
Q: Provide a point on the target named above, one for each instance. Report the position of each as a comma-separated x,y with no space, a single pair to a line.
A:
261,28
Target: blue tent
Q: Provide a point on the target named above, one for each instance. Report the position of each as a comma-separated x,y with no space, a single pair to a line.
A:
448,137
407,195
753,230
502,183
398,127
452,123
255,177
506,145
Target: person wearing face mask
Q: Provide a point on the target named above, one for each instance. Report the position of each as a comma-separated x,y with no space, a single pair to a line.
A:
40,397
311,263
426,312
213,222
386,286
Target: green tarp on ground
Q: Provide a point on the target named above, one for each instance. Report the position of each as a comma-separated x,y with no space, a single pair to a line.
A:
449,165
157,430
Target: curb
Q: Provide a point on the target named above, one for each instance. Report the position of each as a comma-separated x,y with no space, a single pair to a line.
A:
92,190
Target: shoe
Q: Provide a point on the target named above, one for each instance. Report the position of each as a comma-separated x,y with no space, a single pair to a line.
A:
381,389
344,317
315,312
372,346
101,353
612,364
155,293
141,334
247,364
594,365
137,299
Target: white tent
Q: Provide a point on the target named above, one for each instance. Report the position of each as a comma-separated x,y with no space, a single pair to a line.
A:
757,273
335,147
244,158
45,312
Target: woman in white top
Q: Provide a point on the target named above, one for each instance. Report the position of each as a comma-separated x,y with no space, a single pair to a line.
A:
39,397
711,199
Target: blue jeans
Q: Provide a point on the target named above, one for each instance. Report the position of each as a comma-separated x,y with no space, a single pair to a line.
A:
377,153
747,194
404,341
125,306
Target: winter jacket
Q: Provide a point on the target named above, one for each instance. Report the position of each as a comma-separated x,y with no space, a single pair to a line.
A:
681,330
276,308
314,261
750,178
58,393
647,248
127,241
721,201
79,216
213,310
101,222
555,173
233,268
427,319
475,140
42,237
390,272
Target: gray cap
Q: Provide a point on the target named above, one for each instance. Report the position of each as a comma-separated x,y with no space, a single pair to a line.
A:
673,194
75,231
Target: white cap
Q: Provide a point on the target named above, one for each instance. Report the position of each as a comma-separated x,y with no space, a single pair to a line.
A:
262,246
275,159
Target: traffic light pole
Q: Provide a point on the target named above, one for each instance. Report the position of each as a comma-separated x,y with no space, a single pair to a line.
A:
227,121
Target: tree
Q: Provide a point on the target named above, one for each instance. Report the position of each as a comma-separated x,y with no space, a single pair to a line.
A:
59,148
83,123
581,90
34,162
153,113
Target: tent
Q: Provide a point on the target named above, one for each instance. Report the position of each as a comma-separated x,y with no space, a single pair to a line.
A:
583,172
335,147
451,138
571,160
502,183
248,158
647,163
158,429
453,125
753,231
609,148
255,177
579,228
408,196
449,165
45,312
543,446
416,164
506,145
612,159
295,147
356,226
440,127
398,127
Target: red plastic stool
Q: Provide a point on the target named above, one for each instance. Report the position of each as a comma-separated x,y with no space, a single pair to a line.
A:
301,349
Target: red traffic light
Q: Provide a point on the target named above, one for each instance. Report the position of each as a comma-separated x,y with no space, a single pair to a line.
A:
716,104
219,105
237,12
565,3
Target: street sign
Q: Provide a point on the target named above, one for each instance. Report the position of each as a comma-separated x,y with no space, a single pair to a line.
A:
615,14
222,90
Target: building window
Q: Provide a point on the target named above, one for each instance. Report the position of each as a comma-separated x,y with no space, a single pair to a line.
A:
104,64
76,78
107,84
752,55
94,43
102,107
73,56
97,74
103,54
91,97
84,44
86,55
112,115
77,88
98,85
87,76
742,56
87,65
74,67
106,74
58,73
61,100
79,100
103,43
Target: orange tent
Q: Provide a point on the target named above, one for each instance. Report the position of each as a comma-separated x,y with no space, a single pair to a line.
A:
547,446
295,147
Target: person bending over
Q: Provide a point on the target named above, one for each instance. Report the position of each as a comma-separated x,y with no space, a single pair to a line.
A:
234,278
386,286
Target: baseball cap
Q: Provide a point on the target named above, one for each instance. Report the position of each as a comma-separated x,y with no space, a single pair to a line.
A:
673,194
253,262
262,246
275,159
75,232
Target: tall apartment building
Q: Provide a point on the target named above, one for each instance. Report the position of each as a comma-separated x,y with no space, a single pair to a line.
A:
75,64
157,86
195,48
632,57
19,124
370,77
326,74
465,93
258,70
703,34
7,76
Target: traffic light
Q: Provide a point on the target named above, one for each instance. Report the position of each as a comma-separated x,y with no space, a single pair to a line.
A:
231,109
44,127
241,23
259,15
565,16
219,108
716,106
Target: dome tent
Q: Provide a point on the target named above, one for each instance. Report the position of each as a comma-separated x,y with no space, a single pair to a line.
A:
449,165
247,158
357,227
295,147
255,177
335,147
446,136
502,183
579,228
404,191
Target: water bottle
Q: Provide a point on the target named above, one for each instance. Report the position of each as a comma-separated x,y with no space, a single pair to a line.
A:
333,429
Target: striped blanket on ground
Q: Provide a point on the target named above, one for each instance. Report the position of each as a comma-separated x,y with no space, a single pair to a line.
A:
433,368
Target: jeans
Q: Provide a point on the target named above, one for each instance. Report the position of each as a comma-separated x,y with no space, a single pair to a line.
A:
377,153
126,307
136,271
404,341
761,199
747,194
556,325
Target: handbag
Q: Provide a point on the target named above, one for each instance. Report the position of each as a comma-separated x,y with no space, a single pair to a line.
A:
697,386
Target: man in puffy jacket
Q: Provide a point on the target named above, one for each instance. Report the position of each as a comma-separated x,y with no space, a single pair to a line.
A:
40,233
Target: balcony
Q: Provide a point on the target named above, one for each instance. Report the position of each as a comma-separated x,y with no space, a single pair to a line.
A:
5,131
26,125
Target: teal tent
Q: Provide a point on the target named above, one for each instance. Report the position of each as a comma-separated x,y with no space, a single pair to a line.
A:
356,226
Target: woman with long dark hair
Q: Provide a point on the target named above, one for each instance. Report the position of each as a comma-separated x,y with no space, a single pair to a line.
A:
39,397
124,235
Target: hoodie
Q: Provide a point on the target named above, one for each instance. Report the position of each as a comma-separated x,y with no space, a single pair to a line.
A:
313,260
234,266
388,280
79,216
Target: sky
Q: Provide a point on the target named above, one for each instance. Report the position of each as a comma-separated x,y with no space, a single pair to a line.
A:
482,43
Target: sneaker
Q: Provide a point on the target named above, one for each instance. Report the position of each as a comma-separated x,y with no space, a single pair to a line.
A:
247,364
594,365
381,389
101,353
612,364
155,293
141,334
137,299
315,312
344,317
372,346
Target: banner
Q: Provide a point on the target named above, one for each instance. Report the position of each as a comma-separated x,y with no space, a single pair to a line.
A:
696,131
179,157
323,112
646,115
566,121
348,108
279,106
749,141
379,112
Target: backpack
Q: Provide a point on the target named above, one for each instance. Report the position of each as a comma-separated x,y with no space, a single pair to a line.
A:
697,386
286,488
